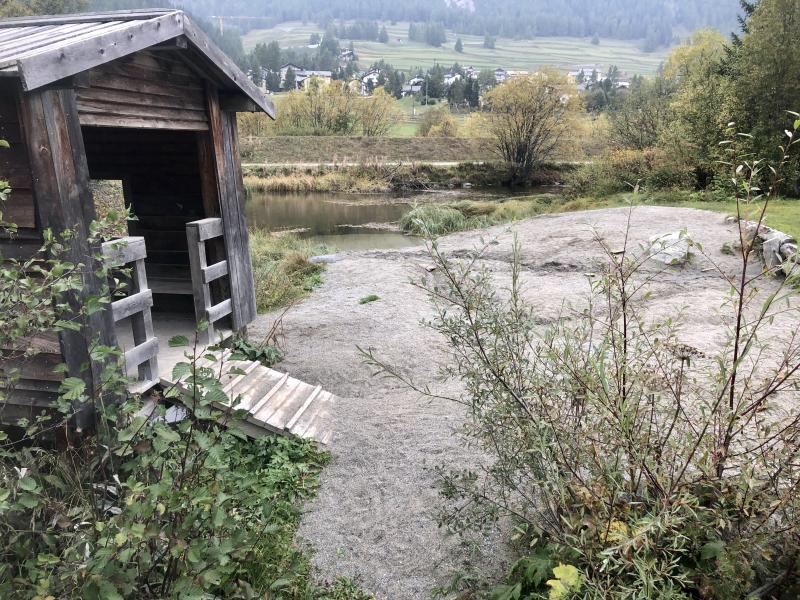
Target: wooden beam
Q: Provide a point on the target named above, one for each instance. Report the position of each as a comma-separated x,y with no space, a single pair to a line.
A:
132,305
215,271
179,43
232,207
125,250
233,102
61,188
44,67
216,312
208,228
140,354
227,67
91,17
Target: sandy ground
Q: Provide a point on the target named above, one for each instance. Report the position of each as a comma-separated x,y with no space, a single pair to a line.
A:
374,519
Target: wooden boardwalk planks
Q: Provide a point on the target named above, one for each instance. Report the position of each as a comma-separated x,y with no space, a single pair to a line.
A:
275,402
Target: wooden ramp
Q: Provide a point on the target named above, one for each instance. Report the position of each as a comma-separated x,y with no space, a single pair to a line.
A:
275,402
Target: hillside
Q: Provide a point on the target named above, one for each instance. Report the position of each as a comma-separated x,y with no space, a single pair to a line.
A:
656,20
508,53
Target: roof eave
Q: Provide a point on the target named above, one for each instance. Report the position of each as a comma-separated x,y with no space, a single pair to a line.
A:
44,68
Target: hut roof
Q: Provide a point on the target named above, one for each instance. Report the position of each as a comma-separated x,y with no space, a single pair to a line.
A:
43,50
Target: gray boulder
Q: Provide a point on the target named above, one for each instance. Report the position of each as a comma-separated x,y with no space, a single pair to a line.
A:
670,248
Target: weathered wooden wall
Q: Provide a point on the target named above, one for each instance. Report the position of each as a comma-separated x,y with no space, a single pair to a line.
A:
16,169
149,89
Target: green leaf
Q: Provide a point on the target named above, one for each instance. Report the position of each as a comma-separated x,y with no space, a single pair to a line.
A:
181,370
538,568
507,592
28,484
167,434
107,591
797,124
712,550
4,144
72,388
178,341
280,584
28,500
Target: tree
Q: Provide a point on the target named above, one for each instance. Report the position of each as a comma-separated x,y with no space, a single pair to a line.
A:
489,41
595,40
290,80
383,36
698,110
314,39
377,113
459,47
22,8
766,72
529,118
486,80
640,119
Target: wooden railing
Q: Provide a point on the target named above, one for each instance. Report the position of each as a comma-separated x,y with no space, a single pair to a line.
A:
203,274
142,358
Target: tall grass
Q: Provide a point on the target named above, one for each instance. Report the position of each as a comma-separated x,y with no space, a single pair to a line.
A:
282,271
439,219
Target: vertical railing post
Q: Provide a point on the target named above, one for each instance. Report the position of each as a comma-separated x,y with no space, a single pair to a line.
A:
201,291
143,356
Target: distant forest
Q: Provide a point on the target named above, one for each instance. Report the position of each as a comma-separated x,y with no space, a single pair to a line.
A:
653,20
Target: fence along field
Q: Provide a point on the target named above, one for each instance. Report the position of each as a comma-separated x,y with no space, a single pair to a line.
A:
508,53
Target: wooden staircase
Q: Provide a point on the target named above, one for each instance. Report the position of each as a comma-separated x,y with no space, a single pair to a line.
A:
275,402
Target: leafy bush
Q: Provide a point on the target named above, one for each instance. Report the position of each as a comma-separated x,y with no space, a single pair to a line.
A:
623,170
634,465
438,122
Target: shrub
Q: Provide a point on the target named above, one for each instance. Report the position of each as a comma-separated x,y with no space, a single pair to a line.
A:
622,170
437,122
634,465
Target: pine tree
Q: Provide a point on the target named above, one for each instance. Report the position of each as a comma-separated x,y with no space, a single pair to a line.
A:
290,81
459,47
383,36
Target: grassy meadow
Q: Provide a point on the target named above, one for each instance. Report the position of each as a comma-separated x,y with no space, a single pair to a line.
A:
508,53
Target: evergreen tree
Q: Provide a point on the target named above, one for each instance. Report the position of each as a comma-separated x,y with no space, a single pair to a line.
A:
459,47
489,41
383,36
290,81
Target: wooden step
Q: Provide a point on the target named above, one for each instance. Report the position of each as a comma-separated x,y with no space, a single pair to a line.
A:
275,402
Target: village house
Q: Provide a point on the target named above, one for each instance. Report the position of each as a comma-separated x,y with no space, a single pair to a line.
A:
146,99
303,78
450,78
369,81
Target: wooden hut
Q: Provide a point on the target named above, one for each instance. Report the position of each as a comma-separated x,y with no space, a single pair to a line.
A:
145,98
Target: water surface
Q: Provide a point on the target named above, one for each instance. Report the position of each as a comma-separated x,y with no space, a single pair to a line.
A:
347,221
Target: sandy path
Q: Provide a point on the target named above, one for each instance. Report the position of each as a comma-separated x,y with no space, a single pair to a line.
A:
374,519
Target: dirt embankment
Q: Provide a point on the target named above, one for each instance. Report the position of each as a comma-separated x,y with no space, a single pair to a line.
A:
374,518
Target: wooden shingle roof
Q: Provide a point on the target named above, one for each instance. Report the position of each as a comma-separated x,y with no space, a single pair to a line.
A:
43,50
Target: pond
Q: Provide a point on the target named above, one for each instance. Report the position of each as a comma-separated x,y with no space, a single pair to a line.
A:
348,221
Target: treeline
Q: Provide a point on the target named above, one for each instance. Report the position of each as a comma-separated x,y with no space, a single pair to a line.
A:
652,20
433,34
666,130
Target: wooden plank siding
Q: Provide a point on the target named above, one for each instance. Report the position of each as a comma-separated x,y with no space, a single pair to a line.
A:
15,167
146,90
61,187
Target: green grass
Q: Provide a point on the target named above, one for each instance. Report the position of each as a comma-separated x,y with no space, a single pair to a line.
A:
369,299
508,53
282,271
